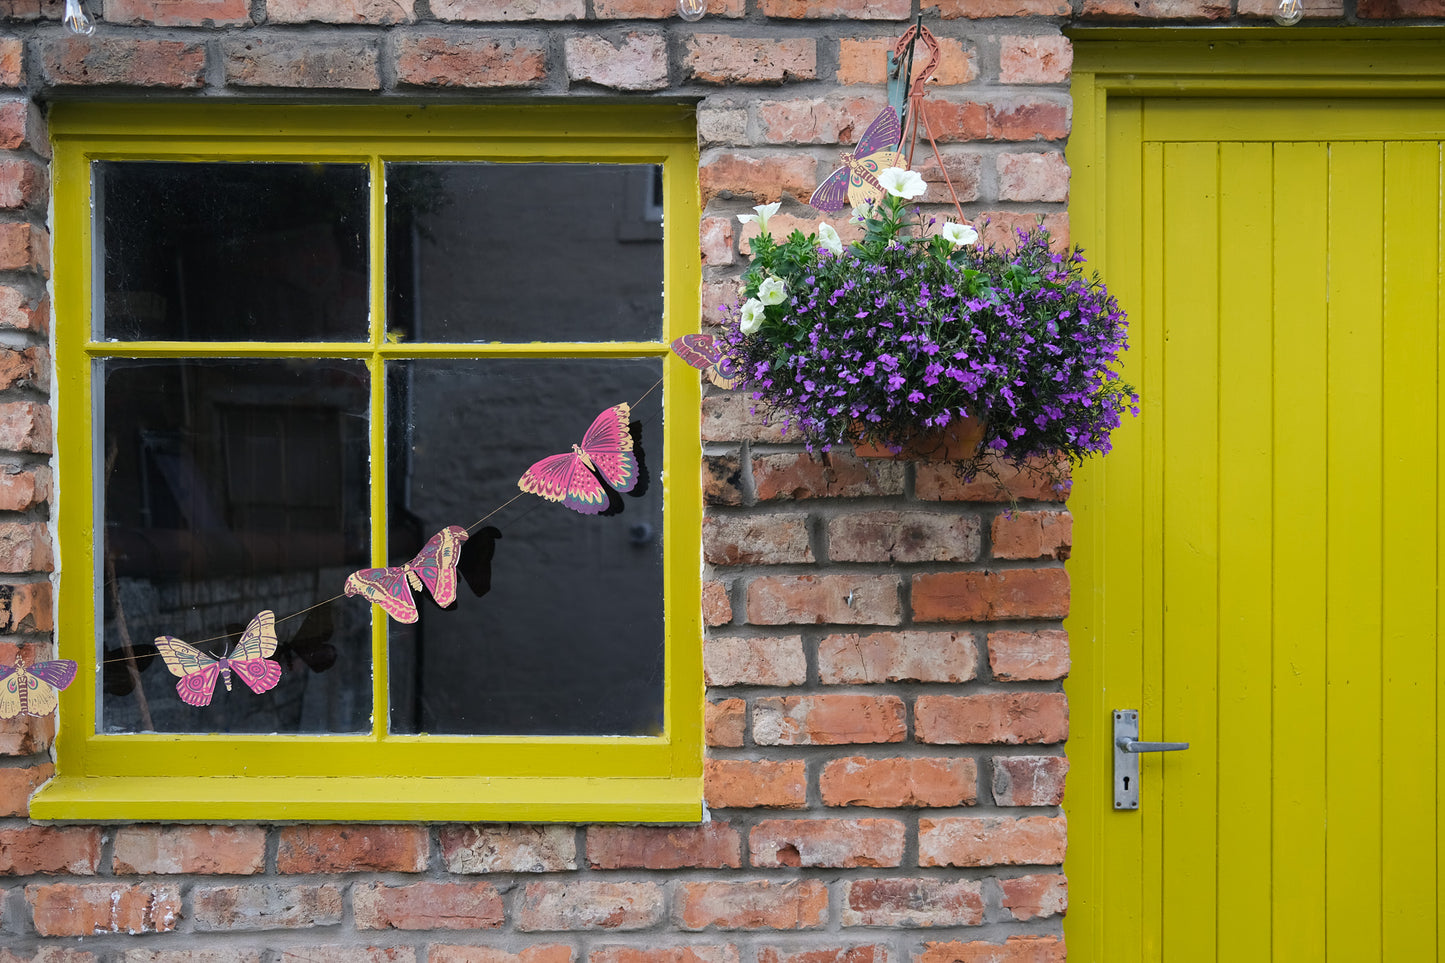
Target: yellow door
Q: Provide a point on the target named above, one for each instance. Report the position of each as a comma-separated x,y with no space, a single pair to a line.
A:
1259,564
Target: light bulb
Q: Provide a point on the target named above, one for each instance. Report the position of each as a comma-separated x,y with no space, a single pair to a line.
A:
1289,12
75,19
691,10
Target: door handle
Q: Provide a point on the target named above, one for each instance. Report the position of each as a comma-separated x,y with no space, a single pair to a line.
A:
1126,757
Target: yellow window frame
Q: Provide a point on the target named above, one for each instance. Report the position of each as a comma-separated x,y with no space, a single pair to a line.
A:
377,775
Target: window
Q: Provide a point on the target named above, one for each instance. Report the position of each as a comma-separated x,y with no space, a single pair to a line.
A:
295,343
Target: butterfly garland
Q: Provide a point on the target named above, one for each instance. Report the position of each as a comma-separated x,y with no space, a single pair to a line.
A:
33,690
198,670
434,567
575,478
702,352
856,182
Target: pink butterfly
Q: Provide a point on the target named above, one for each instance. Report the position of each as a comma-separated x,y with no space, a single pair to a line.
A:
33,690
434,567
606,450
198,670
856,182
702,351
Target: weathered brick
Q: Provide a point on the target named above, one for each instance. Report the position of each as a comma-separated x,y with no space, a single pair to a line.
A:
715,58
25,368
724,722
265,906
751,905
1158,9
508,849
660,9
25,547
895,783
87,909
267,60
536,953
1015,949
26,735
1034,896
998,718
746,784
914,903
23,313
24,247
730,416
1040,176
18,783
1038,59
726,953
780,228
715,845
815,120
23,185
756,539
828,953
1003,228
228,955
588,905
828,720
503,10
22,124
831,843
888,536
717,608
715,243
837,9
470,62
1026,656
732,660
865,61
1015,118
638,62
352,849
989,9
68,60
381,12
24,487
203,850
1032,535
427,905
992,841
841,599
722,479
70,850
986,596
26,608
12,62
719,124
180,13
347,954
835,474
768,177
897,657
1033,481
1029,780
965,173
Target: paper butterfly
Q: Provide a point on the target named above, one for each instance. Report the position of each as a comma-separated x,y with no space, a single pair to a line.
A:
569,478
856,182
701,351
435,568
198,670
33,691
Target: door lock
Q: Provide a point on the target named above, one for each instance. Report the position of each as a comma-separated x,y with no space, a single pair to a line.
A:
1126,757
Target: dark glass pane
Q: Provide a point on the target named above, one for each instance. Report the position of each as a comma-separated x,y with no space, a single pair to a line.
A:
569,637
232,251
230,487
524,252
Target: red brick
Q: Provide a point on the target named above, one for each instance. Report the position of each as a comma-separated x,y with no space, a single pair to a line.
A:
261,60
715,845
913,903
28,850
537,953
816,120
508,849
717,608
715,58
755,540
23,125
352,849
872,953
746,784
833,474
830,843
722,479
1028,656
939,482
895,783
12,62
23,488
780,228
427,906
1002,228
383,12
66,909
715,243
1158,9
24,247
265,906
348,954
757,177
1035,896
989,9
866,62
992,841
23,10
888,536
181,13
23,185
500,10
122,61
1042,59
25,547
837,9
1029,780
828,720
660,9
1016,119
471,62
965,173
998,718
843,599
1016,949
731,660
203,850
665,954
897,657
985,596
26,608
730,416
1038,176
724,722
1033,535
751,905
588,905
26,735
22,313
638,62
25,368
18,783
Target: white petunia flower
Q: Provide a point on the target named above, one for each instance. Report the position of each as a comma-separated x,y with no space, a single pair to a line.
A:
764,211
828,238
902,183
772,290
861,212
752,316
959,235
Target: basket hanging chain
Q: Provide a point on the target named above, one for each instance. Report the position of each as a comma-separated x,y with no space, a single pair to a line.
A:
914,85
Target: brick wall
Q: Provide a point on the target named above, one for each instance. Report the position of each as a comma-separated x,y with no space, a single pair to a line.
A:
885,717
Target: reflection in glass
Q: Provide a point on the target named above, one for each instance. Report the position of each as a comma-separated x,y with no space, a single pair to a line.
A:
232,251
230,487
567,635
477,252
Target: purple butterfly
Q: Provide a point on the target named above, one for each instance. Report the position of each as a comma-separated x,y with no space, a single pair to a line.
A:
856,182
702,352
434,567
572,477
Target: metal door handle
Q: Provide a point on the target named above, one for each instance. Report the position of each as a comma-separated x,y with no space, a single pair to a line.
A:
1129,745
1126,757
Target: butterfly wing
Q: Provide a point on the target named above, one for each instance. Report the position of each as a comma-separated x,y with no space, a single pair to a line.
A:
249,658
701,351
386,587
197,670
436,564
863,186
609,444
566,479
883,134
832,195
58,672
724,374
10,683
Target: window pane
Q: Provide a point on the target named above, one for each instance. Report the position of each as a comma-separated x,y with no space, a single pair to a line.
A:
232,251
569,639
524,252
230,487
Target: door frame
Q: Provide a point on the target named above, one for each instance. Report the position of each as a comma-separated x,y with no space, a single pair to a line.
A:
1261,62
